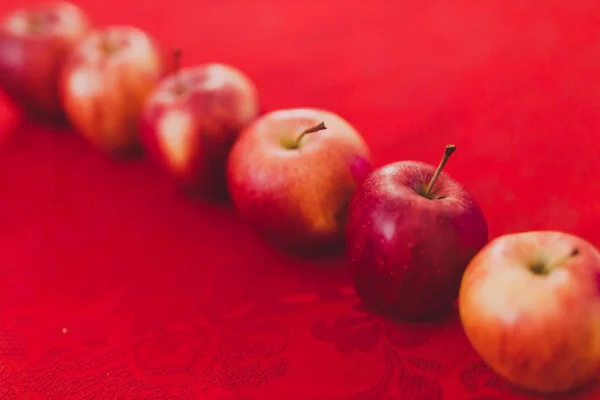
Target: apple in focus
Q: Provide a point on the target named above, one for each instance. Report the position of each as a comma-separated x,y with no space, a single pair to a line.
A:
291,174
34,43
530,305
189,123
412,230
105,82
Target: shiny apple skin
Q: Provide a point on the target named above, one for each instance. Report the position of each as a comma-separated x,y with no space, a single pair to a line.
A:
541,332
190,122
105,82
34,43
298,198
407,253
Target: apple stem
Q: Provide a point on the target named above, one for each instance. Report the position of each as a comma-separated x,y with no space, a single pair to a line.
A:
179,88
315,128
573,253
542,268
107,44
36,21
447,153
176,61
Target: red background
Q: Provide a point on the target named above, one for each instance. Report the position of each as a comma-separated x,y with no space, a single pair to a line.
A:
116,286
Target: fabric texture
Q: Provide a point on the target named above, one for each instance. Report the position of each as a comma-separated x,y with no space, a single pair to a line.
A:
115,285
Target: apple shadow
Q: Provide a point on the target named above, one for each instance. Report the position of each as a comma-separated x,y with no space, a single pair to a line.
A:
589,389
306,253
442,316
219,197
586,392
133,155
55,123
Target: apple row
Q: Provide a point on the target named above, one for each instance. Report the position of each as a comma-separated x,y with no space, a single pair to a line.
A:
289,172
415,238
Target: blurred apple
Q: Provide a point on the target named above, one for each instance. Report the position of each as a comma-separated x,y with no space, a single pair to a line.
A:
33,45
192,119
530,305
412,230
292,173
105,82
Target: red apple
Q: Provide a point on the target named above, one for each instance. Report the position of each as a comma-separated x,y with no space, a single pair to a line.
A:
292,173
411,232
192,119
105,81
530,306
33,45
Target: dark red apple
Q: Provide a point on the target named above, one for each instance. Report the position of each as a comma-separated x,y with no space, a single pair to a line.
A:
530,305
104,83
33,45
189,123
412,231
292,173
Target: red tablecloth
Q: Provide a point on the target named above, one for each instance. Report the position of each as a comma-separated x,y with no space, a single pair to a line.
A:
114,285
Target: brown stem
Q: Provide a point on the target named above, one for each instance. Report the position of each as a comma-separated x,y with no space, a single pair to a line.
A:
36,22
447,153
179,87
176,61
315,128
563,260
542,268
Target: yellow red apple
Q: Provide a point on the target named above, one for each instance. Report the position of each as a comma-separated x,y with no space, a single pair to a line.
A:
34,42
105,82
291,174
530,305
191,120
